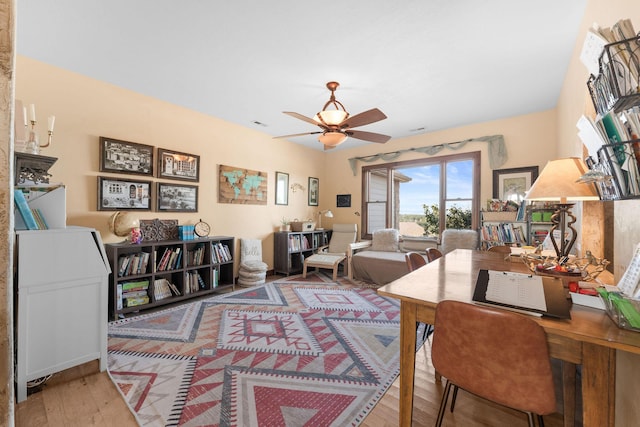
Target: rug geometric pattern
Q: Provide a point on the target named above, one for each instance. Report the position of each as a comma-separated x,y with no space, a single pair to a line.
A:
293,352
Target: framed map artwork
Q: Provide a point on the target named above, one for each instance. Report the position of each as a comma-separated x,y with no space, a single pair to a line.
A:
242,186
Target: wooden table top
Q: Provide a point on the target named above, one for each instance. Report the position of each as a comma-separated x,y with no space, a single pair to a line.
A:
453,277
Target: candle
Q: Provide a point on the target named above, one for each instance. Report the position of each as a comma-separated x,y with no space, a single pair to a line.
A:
52,120
24,115
32,110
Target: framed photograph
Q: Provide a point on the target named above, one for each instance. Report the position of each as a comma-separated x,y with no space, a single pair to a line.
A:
123,194
343,200
177,165
125,157
314,191
177,198
282,188
513,184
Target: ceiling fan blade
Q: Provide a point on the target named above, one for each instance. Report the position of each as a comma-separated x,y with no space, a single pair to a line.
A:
301,117
368,136
364,118
296,134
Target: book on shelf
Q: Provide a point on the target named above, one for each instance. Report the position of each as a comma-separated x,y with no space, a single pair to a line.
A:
25,210
134,302
161,289
39,217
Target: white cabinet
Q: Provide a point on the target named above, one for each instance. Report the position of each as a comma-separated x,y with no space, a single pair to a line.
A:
62,302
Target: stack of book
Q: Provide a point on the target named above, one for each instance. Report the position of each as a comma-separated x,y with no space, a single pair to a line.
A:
220,253
132,264
131,294
170,259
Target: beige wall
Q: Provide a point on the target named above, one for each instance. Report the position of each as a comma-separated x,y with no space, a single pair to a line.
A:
86,109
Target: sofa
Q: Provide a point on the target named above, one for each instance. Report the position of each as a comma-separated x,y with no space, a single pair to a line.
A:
382,259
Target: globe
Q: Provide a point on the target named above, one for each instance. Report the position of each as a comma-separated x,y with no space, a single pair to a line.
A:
121,223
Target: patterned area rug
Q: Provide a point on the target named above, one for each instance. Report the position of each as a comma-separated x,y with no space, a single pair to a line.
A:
294,352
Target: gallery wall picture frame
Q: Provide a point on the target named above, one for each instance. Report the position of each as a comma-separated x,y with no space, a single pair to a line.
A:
314,191
242,186
176,197
282,188
123,194
125,157
178,165
343,200
513,184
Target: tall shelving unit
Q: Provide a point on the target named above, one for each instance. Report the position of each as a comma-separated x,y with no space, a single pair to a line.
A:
194,267
292,247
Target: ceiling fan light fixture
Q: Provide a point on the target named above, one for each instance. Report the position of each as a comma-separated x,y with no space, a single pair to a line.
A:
331,117
332,139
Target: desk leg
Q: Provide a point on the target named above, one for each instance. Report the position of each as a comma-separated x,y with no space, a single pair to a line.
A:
407,360
598,385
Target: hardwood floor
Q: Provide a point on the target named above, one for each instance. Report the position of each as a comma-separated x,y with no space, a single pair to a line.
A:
84,397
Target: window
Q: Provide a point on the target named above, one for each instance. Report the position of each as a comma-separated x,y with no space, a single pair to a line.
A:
422,197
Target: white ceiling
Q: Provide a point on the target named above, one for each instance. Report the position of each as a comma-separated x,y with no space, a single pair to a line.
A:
427,64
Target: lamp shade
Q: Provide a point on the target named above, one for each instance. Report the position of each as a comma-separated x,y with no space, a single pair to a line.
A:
557,182
331,117
332,139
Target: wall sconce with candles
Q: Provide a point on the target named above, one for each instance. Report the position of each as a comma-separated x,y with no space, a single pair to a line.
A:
326,213
32,144
560,182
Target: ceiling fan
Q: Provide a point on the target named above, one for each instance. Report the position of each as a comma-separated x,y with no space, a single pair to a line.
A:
337,125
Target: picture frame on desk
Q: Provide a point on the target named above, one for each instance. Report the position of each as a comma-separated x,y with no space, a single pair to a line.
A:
177,198
123,194
513,184
125,157
178,165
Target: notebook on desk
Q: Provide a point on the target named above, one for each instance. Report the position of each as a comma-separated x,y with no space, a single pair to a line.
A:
537,295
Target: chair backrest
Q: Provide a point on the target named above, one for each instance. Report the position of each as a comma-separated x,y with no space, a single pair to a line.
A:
250,250
458,239
496,354
414,260
500,249
341,237
433,254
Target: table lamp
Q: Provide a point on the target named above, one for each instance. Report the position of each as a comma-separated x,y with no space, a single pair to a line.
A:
326,213
558,183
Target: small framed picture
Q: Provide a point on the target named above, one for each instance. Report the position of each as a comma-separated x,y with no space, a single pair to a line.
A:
125,157
282,188
512,184
343,200
177,198
177,165
314,191
123,194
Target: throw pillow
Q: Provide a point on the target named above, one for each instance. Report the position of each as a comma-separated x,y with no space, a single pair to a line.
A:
386,240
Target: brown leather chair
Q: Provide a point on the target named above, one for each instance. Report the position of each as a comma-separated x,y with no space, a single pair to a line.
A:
414,260
433,254
500,249
495,354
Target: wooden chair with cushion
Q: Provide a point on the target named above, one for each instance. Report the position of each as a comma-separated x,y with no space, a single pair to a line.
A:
433,254
511,368
332,255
